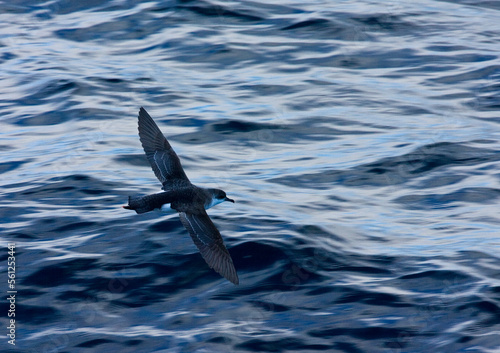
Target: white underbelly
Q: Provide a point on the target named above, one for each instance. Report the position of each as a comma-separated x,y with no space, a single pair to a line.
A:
165,208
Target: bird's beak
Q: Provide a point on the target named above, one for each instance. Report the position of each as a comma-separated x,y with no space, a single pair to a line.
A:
228,199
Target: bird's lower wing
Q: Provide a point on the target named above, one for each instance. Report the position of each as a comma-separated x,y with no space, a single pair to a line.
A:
209,241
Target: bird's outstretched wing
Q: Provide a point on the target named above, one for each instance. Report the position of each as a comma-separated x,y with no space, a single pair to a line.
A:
165,163
209,241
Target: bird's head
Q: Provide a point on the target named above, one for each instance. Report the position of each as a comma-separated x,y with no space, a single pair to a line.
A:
218,196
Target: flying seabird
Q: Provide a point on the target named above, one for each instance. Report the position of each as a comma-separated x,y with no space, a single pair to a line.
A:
180,195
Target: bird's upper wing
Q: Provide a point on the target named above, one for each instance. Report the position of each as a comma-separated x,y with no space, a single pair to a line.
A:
209,241
165,163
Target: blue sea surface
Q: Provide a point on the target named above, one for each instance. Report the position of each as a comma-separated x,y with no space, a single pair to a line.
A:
360,140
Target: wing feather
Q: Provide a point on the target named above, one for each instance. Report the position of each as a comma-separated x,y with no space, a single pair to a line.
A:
164,161
209,241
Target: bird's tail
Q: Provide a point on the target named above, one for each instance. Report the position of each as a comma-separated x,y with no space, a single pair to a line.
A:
139,204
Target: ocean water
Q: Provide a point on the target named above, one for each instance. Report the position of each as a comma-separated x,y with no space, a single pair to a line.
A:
360,140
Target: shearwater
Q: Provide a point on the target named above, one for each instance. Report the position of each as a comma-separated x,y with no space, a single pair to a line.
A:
189,200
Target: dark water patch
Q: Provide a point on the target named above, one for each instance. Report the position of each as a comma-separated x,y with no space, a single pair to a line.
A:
6,148
114,81
473,74
233,126
371,298
120,29
218,339
467,195
369,59
162,97
231,129
10,166
55,117
65,190
316,259
4,57
130,286
47,118
321,290
16,8
496,291
269,90
117,343
254,256
279,345
220,12
164,265
485,311
74,226
488,103
412,110
36,315
68,7
481,261
342,27
94,343
132,343
92,114
143,299
396,170
350,347
49,89
398,58
107,84
440,275
322,28
314,129
267,306
137,160
362,269
220,56
20,235
166,227
365,333
48,229
105,344
63,273
486,96
71,296
387,22
445,48
95,192
428,68
487,4
313,231
314,24
439,180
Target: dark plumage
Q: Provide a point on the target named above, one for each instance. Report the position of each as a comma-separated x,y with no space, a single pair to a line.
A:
187,199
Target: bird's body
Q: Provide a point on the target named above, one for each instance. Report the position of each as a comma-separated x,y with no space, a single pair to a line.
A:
180,200
189,200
